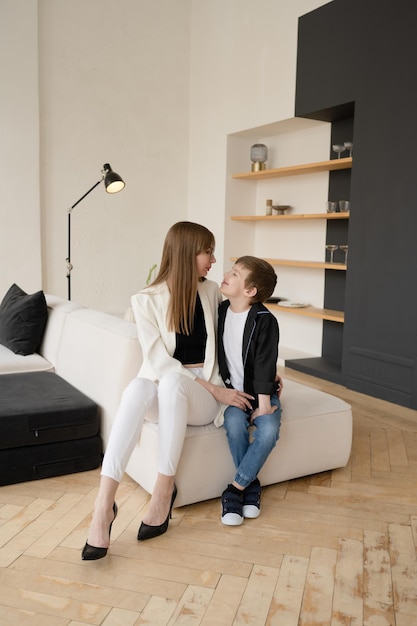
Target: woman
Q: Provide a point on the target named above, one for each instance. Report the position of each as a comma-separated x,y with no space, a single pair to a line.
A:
178,383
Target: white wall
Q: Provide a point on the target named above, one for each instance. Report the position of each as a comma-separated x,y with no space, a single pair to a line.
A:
152,87
20,242
243,71
114,88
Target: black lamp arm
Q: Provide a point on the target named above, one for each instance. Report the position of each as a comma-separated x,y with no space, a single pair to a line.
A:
86,194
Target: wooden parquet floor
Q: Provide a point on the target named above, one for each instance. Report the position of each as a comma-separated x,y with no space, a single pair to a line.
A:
336,549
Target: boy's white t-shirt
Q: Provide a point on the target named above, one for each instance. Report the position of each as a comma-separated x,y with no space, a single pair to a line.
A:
234,325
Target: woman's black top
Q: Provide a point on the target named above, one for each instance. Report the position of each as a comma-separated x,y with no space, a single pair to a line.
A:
191,349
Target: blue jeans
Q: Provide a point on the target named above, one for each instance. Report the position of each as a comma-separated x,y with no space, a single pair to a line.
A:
250,455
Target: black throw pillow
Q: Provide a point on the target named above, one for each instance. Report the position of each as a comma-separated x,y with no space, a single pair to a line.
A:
22,320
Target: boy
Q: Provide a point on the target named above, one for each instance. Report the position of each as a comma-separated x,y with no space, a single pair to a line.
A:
248,336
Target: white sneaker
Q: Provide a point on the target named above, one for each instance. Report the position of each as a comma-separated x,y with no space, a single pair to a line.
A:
252,500
232,505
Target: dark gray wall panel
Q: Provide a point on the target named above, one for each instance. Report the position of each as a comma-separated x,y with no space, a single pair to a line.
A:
365,53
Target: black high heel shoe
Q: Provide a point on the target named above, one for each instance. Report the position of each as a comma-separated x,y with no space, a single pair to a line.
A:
91,553
149,532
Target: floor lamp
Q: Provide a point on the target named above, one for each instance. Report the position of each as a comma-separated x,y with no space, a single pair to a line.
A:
113,183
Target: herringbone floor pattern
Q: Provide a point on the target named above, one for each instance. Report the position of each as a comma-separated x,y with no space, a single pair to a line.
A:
336,549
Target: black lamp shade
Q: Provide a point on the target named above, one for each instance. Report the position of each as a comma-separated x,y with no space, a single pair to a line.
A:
112,181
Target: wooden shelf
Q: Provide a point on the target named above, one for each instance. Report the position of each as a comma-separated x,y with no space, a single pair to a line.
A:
291,216
317,265
310,311
320,265
294,170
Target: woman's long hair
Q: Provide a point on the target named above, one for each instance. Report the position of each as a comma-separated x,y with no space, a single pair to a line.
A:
183,242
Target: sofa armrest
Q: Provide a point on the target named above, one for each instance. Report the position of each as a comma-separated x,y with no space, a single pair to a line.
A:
58,309
99,354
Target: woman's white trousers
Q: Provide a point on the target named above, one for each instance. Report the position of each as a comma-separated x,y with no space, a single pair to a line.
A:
175,402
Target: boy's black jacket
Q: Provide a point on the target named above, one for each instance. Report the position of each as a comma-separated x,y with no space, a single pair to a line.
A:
259,350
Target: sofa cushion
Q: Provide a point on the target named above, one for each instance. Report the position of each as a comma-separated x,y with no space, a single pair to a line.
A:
22,320
11,363
41,407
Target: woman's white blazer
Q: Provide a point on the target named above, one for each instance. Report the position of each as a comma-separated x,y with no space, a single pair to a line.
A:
158,344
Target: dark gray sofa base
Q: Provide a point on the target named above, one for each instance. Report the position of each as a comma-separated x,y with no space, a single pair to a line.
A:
48,428
54,459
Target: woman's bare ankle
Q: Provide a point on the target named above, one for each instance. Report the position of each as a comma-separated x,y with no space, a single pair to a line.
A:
103,513
98,534
160,501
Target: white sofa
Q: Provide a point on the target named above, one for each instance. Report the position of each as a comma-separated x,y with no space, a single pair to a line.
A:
316,436
95,352
99,354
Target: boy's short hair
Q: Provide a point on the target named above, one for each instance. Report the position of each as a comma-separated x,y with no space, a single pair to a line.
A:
261,275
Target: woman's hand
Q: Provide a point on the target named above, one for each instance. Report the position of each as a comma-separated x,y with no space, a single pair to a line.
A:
232,397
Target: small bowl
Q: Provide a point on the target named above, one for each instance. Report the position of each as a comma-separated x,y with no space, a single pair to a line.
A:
279,209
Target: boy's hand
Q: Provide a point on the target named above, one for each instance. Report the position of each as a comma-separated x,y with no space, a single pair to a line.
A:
280,385
264,407
257,412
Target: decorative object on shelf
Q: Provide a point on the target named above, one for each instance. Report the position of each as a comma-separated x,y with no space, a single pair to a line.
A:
274,300
331,207
113,183
331,248
338,148
258,156
345,248
344,205
349,146
269,207
293,305
279,209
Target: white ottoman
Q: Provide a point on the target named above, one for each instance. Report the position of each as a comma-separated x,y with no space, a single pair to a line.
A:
316,435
